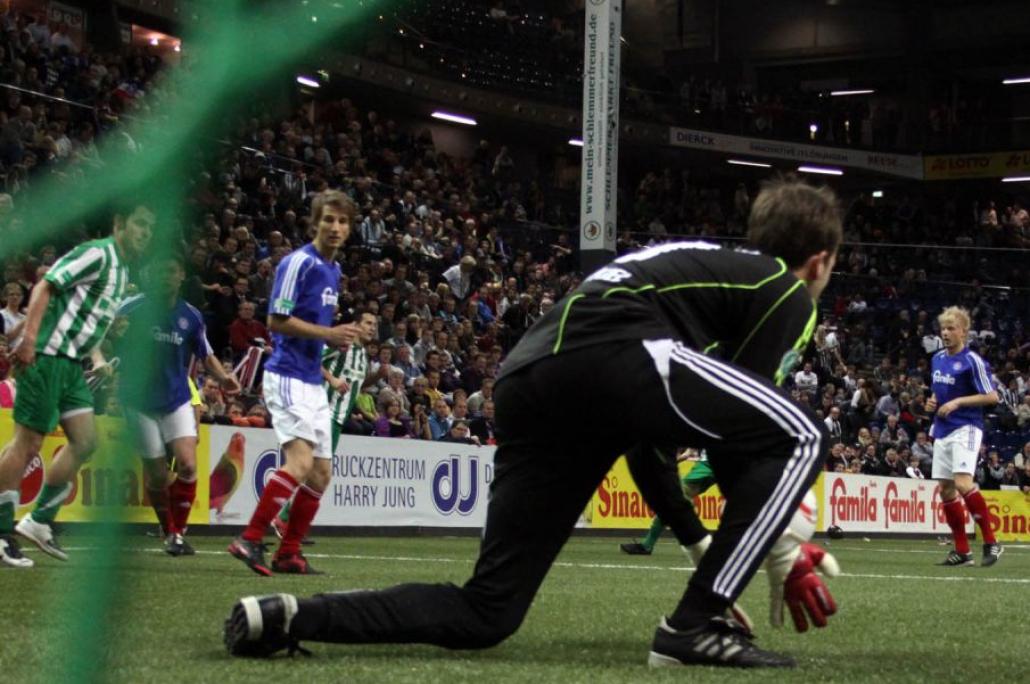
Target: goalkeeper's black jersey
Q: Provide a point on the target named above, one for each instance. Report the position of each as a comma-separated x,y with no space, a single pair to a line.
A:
744,307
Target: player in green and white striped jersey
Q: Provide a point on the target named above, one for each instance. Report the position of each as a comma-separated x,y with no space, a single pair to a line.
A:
344,371
69,313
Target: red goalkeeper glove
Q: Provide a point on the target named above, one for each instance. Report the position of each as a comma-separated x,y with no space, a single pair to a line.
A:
804,591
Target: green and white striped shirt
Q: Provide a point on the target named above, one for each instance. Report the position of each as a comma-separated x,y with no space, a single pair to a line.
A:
90,281
352,366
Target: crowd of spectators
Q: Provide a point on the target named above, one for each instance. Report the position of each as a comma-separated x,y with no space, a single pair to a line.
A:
442,253
90,94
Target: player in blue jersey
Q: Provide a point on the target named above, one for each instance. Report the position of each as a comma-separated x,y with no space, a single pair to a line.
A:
301,309
157,398
961,388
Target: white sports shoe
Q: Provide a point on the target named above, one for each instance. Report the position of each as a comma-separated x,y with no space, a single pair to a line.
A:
42,536
10,554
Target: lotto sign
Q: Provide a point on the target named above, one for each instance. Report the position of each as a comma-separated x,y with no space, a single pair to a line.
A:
376,482
866,503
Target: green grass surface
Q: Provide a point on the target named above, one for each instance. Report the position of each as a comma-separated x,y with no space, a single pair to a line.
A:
901,618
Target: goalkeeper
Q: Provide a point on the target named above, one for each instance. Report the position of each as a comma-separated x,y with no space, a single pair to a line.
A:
626,351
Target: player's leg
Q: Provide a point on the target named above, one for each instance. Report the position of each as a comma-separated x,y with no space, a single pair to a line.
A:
297,436
35,415
962,467
544,476
765,452
179,432
79,428
281,521
308,496
13,461
951,502
156,476
655,473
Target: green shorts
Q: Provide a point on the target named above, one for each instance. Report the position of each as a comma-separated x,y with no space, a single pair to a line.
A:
335,433
52,388
700,476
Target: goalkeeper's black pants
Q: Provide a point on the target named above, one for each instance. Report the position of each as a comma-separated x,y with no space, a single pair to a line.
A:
765,452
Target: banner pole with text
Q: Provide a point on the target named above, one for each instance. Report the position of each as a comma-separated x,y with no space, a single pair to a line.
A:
599,179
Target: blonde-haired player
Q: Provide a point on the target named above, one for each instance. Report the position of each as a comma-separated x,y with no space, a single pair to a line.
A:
961,387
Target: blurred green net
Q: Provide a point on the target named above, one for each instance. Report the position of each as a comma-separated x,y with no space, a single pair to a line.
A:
235,53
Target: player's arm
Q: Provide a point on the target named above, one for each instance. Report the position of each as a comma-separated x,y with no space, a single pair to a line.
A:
338,384
986,394
202,350
38,301
100,365
225,378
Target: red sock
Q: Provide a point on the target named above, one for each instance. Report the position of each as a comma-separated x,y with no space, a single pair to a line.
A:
181,495
954,513
159,502
305,505
978,509
277,492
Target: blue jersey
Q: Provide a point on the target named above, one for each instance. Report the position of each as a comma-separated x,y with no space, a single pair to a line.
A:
306,287
156,381
959,375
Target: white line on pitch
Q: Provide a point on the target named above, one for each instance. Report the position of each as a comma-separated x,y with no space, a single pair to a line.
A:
605,566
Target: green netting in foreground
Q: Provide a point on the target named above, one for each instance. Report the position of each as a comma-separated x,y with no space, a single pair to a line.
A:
235,52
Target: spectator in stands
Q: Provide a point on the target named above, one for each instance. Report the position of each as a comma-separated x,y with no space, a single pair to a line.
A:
363,419
1024,479
404,363
13,318
440,421
245,330
914,469
459,277
893,434
418,396
392,423
923,449
1011,477
483,427
871,462
394,392
807,381
214,400
459,433
477,399
834,425
836,462
892,465
888,406
420,422
1022,457
994,471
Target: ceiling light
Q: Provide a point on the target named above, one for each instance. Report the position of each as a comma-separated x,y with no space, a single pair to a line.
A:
454,118
742,162
825,170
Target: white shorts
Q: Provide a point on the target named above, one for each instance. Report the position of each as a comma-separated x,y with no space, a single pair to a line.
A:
956,452
299,410
152,433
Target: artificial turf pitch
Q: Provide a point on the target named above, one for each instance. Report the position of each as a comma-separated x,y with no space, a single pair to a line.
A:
901,618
